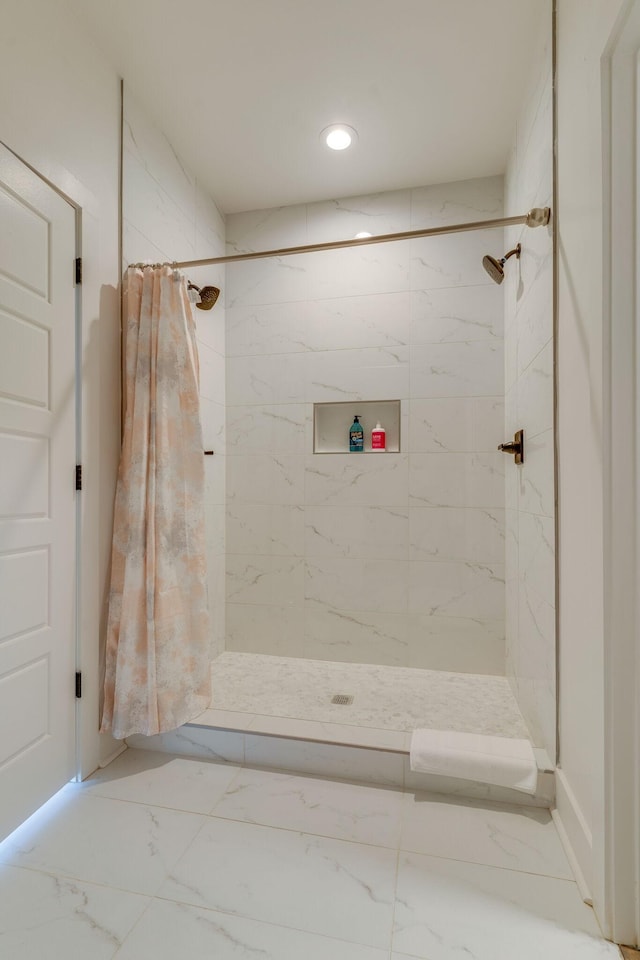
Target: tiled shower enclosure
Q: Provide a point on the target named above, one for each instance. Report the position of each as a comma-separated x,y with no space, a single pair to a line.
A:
398,558
394,558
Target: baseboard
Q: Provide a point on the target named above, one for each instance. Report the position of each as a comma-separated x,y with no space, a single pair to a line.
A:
575,835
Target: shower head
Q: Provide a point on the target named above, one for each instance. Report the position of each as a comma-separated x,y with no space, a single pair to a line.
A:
495,268
208,296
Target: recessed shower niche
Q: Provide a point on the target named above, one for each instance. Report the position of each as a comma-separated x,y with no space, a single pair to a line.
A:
331,423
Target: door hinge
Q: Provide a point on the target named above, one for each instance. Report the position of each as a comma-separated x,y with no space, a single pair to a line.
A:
78,476
78,269
78,685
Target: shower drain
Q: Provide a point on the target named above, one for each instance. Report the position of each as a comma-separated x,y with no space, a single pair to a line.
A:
344,699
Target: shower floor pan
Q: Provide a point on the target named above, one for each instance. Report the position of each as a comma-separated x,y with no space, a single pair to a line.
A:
278,693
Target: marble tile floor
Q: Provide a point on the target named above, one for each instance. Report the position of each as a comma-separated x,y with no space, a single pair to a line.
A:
251,687
160,856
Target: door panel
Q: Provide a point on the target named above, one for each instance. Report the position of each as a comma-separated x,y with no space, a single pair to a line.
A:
37,494
24,361
25,241
25,579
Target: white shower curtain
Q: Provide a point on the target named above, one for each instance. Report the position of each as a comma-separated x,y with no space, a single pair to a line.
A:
157,652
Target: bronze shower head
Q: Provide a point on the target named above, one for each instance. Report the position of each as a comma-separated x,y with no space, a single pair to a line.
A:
208,296
495,268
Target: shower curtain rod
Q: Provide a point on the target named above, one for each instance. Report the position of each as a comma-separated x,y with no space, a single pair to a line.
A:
537,217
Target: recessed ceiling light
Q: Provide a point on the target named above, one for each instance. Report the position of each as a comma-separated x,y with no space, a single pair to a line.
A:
362,235
339,136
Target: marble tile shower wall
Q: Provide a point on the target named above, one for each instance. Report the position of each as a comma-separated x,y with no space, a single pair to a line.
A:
530,501
167,216
387,558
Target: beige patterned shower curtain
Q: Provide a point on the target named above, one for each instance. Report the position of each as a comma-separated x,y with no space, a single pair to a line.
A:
157,652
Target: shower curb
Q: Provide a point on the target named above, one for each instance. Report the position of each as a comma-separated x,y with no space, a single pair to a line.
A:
335,760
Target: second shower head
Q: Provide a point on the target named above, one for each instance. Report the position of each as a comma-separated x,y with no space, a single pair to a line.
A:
495,268
208,296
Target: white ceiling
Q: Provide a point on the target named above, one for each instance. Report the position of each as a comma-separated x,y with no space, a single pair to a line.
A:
242,88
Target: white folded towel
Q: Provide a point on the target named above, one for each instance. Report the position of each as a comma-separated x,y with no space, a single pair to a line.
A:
475,756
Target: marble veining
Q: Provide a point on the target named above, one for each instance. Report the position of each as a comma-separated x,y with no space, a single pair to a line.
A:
339,323
360,813
45,915
385,697
456,313
167,929
378,213
315,875
284,866
456,424
449,909
469,368
153,837
438,204
417,321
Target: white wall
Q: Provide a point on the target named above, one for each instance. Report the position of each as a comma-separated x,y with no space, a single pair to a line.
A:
392,558
167,216
530,495
583,29
59,111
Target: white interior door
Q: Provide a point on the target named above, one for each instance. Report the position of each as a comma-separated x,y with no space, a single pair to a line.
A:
37,492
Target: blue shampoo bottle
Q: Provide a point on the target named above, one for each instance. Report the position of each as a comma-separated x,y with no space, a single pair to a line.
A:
356,436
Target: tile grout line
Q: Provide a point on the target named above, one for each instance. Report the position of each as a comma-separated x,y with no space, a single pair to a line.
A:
151,900
400,850
395,898
269,923
57,875
212,815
